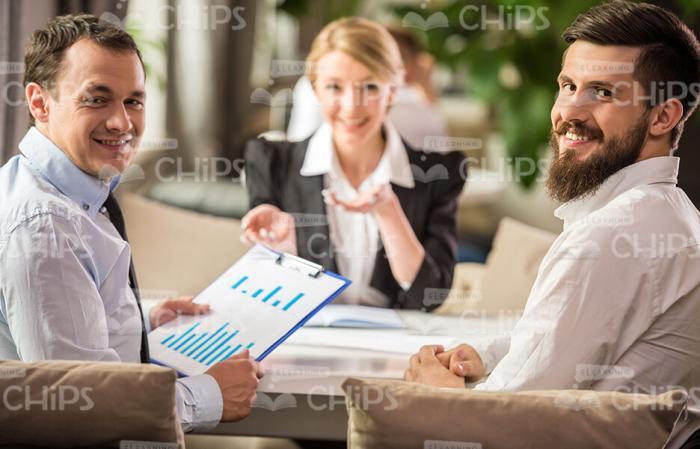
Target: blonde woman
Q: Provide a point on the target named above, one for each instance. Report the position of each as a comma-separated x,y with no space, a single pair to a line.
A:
354,197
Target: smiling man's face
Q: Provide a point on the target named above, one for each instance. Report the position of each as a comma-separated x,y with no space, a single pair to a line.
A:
599,123
95,112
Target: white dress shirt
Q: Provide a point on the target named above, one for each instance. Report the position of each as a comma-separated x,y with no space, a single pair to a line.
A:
616,302
355,236
64,274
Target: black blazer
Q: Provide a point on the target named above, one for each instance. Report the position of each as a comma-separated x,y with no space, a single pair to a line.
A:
272,177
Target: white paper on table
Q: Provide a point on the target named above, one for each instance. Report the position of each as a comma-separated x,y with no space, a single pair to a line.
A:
381,341
355,316
255,304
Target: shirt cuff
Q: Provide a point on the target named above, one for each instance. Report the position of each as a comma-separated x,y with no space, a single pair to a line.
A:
199,402
491,350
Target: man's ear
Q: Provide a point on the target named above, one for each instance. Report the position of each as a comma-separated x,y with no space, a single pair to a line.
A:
38,101
665,117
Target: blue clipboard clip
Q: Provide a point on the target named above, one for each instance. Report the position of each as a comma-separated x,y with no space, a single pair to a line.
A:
297,263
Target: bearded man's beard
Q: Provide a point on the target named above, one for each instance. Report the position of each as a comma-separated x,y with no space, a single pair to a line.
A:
571,179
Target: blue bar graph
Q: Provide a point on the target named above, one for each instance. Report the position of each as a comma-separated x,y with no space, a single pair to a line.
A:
206,348
291,303
183,335
199,356
189,354
231,352
259,293
271,294
185,341
226,352
217,348
188,347
240,281
218,357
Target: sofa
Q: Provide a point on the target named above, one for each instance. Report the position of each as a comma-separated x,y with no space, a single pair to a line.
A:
68,404
401,415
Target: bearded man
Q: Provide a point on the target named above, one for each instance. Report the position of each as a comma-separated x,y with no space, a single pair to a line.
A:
616,299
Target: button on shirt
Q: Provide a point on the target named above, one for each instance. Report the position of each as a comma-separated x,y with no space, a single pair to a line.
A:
616,301
355,236
64,270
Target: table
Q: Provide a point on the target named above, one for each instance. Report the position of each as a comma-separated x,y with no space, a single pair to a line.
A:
301,397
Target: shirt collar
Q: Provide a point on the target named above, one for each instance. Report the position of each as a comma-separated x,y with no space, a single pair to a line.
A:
662,169
49,161
393,166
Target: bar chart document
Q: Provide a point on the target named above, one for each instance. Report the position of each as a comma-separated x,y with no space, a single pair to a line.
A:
256,304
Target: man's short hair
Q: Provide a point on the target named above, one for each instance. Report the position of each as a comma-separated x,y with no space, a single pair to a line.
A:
45,51
669,57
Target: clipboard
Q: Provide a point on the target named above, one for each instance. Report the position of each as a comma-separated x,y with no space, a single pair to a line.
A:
256,304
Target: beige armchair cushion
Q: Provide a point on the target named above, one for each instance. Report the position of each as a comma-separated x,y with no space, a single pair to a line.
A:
465,294
507,276
176,251
402,415
62,404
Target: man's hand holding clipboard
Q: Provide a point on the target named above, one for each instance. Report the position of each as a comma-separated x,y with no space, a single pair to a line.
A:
254,305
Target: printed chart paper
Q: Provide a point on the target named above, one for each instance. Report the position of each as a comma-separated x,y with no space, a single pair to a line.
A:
256,304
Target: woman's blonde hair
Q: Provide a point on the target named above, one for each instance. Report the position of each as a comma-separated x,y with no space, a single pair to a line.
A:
363,40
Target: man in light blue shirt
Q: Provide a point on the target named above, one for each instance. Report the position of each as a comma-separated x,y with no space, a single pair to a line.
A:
65,288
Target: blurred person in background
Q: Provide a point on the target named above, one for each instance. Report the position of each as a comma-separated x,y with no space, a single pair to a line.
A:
414,113
354,197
